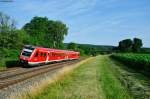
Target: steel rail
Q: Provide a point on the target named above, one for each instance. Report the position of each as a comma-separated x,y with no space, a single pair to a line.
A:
15,77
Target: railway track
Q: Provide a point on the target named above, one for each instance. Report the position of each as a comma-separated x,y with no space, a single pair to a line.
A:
13,76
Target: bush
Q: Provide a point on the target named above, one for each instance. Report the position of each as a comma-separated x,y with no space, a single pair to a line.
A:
7,55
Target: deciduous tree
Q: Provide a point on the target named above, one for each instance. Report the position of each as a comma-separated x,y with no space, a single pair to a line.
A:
47,33
8,36
137,44
125,45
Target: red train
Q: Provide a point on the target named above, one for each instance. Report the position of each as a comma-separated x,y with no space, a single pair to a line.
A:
32,55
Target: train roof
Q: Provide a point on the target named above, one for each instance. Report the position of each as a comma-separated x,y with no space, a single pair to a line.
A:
48,49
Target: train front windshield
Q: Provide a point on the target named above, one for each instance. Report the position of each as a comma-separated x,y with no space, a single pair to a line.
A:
26,54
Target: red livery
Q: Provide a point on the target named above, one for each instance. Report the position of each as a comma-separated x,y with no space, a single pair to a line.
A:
37,55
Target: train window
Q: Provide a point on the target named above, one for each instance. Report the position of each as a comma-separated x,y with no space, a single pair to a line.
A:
41,54
36,55
57,54
62,54
53,54
44,54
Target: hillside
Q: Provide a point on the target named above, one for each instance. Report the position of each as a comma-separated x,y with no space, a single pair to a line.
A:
97,47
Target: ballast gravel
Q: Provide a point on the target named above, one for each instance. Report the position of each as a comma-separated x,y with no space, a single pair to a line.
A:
17,90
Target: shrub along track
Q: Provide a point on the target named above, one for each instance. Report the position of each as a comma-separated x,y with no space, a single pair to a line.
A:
15,75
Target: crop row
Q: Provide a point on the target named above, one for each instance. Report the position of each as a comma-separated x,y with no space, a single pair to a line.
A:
136,61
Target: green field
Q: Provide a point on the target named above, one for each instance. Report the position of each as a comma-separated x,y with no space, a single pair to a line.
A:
95,79
136,61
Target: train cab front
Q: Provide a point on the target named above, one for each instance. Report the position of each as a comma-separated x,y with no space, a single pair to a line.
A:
23,60
25,56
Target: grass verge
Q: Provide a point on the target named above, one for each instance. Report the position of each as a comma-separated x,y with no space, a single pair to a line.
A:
111,86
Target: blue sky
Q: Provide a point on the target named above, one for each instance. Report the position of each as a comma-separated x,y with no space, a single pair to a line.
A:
100,22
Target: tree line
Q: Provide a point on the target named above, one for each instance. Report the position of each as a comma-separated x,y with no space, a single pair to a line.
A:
128,45
88,49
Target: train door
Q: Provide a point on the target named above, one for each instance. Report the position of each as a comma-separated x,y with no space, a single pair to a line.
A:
53,56
47,57
36,56
42,58
50,56
66,56
63,55
57,56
